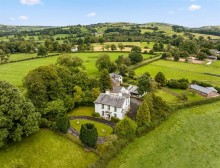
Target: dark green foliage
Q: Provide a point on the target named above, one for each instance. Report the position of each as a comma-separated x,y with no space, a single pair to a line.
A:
113,47
160,78
201,56
125,128
115,119
144,83
18,117
201,83
88,135
123,70
42,51
135,57
105,81
156,47
123,60
62,122
189,46
178,84
143,117
104,62
136,49
94,114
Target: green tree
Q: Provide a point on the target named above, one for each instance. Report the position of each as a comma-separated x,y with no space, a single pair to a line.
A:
95,92
125,128
105,81
78,94
121,46
160,78
18,117
143,117
123,70
88,135
136,49
201,56
135,57
104,62
113,47
156,47
144,83
54,107
42,51
62,122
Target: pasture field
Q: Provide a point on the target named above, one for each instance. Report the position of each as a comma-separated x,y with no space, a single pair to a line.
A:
103,130
15,72
189,138
22,56
47,149
177,70
82,111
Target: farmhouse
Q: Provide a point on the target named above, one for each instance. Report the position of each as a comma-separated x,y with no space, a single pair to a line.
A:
134,91
205,91
117,80
112,105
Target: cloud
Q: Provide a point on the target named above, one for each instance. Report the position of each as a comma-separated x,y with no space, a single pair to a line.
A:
31,2
12,18
194,7
23,18
92,14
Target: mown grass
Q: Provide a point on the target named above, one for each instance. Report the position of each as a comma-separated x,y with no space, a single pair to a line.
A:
177,70
103,130
47,149
82,111
189,138
15,72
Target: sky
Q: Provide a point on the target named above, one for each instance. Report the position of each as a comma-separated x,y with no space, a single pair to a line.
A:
190,13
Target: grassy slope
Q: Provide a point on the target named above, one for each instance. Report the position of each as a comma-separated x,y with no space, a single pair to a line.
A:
47,149
99,126
82,111
15,72
178,70
188,139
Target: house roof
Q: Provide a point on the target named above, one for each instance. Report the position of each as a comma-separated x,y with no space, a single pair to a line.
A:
117,89
133,89
113,75
111,100
206,90
115,81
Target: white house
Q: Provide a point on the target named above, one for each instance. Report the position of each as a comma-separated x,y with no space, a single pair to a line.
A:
117,80
112,105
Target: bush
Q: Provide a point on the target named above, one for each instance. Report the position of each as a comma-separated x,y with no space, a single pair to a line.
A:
178,84
94,114
88,135
115,120
62,122
44,123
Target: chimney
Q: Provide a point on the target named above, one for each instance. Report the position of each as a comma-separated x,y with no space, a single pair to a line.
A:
120,94
107,92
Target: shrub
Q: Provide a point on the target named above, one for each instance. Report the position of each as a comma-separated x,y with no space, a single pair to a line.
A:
115,120
94,114
88,135
178,84
62,122
44,123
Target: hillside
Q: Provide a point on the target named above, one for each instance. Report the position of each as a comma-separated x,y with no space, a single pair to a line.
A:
187,139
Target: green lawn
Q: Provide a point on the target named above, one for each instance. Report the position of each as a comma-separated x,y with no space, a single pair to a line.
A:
189,138
15,72
177,70
103,130
82,111
47,149
169,98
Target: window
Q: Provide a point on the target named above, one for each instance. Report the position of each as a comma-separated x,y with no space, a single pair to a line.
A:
102,106
108,107
103,113
115,115
115,109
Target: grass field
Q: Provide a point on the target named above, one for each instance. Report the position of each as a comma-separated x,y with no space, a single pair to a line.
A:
103,130
82,111
47,149
177,70
189,138
15,72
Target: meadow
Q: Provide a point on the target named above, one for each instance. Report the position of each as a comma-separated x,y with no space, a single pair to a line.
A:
15,72
177,70
46,149
189,138
103,130
82,111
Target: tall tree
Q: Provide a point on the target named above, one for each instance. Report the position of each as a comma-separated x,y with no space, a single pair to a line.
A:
121,46
88,135
62,122
144,83
42,51
135,57
160,78
143,117
105,81
18,117
125,128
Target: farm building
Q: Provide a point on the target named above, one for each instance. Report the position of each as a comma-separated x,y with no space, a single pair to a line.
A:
117,80
205,91
134,91
112,105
